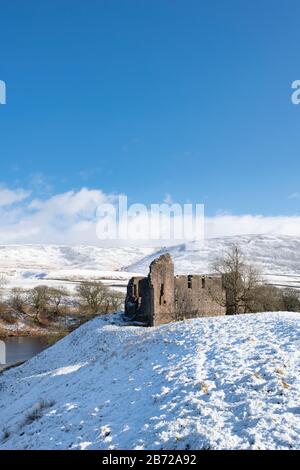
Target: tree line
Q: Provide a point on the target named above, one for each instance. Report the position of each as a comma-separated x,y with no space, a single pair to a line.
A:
43,303
246,291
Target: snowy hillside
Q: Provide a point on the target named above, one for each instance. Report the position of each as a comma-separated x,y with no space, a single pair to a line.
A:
28,265
278,257
51,257
214,383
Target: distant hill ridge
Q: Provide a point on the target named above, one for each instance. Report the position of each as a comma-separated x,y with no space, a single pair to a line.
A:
278,258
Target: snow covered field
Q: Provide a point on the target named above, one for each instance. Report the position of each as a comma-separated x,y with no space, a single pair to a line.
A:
29,265
212,383
278,258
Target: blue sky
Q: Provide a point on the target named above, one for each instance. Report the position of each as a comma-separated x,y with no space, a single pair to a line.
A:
153,97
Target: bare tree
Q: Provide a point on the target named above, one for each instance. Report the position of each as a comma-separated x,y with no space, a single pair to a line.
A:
92,296
57,298
115,301
240,280
95,297
291,300
3,282
266,298
17,299
39,298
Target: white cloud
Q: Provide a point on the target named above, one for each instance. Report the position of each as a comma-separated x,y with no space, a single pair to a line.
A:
70,218
66,218
11,196
227,225
72,203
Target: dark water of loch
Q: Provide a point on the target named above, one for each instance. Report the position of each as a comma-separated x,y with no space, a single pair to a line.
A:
19,349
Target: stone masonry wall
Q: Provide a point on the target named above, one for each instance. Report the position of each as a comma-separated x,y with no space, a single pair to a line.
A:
162,298
193,296
161,279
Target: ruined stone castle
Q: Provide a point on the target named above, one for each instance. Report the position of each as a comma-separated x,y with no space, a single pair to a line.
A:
162,297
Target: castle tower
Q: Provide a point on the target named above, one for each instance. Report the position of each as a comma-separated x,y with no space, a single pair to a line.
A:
161,281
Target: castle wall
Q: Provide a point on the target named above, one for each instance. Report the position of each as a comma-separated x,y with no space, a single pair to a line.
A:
138,300
161,278
162,298
193,296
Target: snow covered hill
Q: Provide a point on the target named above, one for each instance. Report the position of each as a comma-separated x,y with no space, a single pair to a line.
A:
278,257
213,383
29,265
52,257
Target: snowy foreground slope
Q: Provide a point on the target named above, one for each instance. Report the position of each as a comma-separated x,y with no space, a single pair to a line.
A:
214,383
